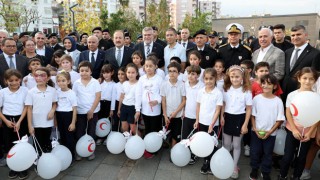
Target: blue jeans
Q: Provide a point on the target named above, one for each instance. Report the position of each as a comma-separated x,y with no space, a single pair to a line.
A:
261,152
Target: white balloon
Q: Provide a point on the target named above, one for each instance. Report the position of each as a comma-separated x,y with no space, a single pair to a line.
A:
135,147
153,142
116,142
201,144
180,155
221,164
49,166
305,108
103,127
21,156
280,142
64,155
85,146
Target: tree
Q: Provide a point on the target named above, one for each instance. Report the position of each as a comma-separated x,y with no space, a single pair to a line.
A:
10,13
28,16
104,16
200,21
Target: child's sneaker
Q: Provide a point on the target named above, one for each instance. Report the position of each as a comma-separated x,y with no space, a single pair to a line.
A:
265,176
193,159
254,174
235,174
91,157
148,155
12,174
305,174
247,150
205,167
23,175
78,158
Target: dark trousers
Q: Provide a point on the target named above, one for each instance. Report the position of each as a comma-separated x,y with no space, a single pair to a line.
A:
104,109
290,149
187,127
81,126
175,127
43,137
67,138
205,128
152,123
9,135
247,137
115,119
261,151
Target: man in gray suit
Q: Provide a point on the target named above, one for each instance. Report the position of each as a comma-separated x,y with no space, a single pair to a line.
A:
11,60
269,53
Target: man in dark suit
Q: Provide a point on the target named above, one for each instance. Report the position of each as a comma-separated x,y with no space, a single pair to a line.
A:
107,37
103,44
53,39
300,56
148,46
120,55
93,55
127,40
11,60
185,34
41,49
155,37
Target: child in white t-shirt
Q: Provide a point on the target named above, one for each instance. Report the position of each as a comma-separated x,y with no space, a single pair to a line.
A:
29,80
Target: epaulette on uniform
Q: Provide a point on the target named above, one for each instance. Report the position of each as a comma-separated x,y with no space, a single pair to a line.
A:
220,46
247,47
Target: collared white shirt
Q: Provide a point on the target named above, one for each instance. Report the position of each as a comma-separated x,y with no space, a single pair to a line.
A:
146,48
29,81
262,53
185,47
177,51
191,99
66,100
121,53
107,89
95,55
130,95
300,51
6,56
12,103
41,51
234,46
201,49
236,100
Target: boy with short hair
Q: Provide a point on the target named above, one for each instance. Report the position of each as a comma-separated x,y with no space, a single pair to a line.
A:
88,92
173,101
177,60
29,81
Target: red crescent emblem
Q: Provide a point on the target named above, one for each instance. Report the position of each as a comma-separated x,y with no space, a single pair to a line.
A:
102,124
10,155
89,148
295,110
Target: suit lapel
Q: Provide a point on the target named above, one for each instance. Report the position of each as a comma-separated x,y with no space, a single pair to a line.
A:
287,63
268,54
3,62
301,57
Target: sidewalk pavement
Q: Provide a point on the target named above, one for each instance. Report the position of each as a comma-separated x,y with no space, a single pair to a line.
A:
107,166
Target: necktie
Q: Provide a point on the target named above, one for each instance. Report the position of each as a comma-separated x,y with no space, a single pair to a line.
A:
93,61
12,66
148,49
294,59
184,44
119,57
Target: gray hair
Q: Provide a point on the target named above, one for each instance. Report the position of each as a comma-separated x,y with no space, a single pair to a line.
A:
4,31
147,29
269,30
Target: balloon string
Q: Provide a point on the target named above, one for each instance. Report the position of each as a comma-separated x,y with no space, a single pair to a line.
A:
38,143
15,128
219,133
119,125
167,126
57,133
137,127
191,133
181,128
300,143
35,144
87,127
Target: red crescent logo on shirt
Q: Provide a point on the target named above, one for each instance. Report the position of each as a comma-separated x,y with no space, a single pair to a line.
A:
10,155
101,125
295,112
89,148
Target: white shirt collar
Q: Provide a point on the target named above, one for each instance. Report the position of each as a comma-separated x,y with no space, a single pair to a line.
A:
301,47
122,48
234,46
151,44
95,52
7,56
43,48
265,49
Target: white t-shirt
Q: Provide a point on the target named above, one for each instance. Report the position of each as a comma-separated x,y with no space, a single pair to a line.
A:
174,94
178,50
86,95
220,83
41,102
107,90
29,81
191,99
74,76
208,103
267,112
116,93
159,72
236,100
130,94
12,103
66,100
149,90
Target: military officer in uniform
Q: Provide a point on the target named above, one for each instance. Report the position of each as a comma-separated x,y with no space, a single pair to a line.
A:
208,54
233,52
213,40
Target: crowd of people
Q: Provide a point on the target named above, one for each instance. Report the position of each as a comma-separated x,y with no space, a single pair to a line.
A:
185,83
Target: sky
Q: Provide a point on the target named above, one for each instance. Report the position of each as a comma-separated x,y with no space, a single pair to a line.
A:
244,8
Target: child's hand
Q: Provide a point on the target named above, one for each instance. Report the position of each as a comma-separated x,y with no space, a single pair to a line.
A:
195,125
111,114
210,128
72,127
118,113
25,81
173,114
17,126
296,134
222,121
89,115
9,124
136,117
266,135
167,120
306,137
153,103
244,129
31,130
50,115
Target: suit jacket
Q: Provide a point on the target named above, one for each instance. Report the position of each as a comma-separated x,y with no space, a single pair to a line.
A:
275,58
48,55
208,55
57,47
190,45
310,57
21,65
84,56
156,48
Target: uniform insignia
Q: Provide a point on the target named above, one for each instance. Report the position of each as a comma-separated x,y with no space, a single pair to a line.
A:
207,58
102,47
240,57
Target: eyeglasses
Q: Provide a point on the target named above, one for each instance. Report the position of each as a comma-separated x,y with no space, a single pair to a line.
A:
11,46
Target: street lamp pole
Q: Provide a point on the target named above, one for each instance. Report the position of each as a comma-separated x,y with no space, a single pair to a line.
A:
73,20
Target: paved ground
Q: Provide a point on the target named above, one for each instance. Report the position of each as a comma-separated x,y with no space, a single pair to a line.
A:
108,166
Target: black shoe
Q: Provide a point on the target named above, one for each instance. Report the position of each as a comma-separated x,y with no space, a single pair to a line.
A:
254,174
281,178
193,159
265,176
23,175
12,174
205,167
